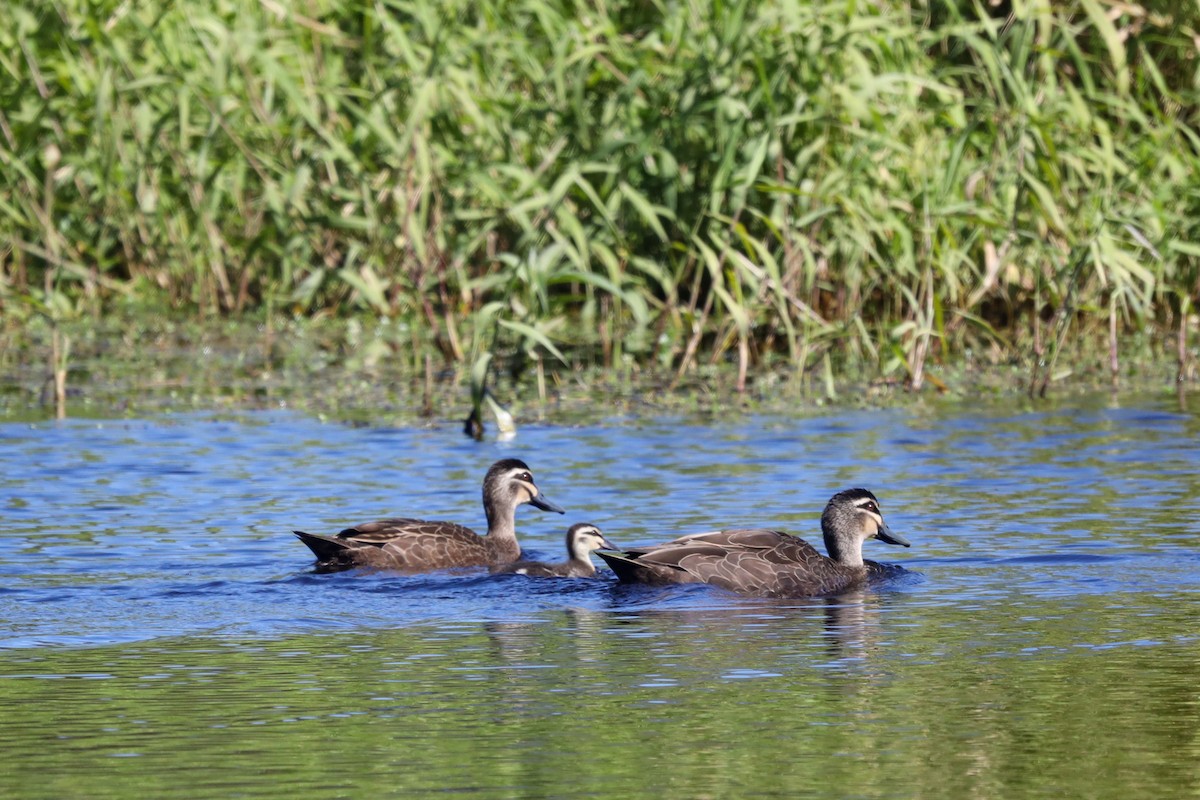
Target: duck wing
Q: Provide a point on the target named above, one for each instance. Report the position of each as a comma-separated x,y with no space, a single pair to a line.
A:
729,539
435,545
792,569
382,531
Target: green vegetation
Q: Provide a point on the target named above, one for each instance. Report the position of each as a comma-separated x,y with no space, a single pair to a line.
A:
830,186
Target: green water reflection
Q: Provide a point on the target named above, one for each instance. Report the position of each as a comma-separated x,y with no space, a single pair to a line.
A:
879,696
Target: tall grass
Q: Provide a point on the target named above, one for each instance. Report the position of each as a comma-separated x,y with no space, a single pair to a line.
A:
879,182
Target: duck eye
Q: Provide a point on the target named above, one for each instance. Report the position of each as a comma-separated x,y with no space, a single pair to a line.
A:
870,506
525,476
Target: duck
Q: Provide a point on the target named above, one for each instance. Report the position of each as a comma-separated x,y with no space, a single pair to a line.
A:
582,539
417,545
771,563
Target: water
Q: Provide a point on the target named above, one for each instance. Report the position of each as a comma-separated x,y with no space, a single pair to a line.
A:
162,634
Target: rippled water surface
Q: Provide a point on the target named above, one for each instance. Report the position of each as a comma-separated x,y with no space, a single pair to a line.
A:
162,634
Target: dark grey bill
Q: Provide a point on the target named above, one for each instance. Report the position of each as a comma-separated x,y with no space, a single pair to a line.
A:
885,535
541,502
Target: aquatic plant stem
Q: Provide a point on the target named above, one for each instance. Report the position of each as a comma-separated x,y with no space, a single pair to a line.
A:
1114,364
1181,339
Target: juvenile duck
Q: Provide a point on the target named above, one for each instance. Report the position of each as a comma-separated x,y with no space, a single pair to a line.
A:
416,545
582,539
770,563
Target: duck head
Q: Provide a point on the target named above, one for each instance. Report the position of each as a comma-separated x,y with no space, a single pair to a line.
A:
583,538
509,483
850,518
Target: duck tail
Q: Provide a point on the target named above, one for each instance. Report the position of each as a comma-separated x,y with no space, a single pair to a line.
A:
325,548
628,570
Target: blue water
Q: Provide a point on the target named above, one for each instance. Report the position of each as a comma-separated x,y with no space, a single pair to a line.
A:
1056,561
128,530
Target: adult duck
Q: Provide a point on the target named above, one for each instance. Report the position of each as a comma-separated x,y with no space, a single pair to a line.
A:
415,545
770,563
582,540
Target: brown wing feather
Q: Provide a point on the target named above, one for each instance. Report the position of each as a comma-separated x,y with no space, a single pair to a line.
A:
745,572
438,546
671,555
729,539
795,551
384,530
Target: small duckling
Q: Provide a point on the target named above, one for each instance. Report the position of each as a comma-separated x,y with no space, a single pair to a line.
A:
582,539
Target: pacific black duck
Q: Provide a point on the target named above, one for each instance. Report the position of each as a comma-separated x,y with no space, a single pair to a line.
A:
582,540
416,545
771,563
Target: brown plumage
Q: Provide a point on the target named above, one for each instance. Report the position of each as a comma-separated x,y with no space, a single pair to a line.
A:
582,540
770,563
415,545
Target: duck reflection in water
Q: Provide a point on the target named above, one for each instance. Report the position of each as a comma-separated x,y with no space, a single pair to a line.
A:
851,625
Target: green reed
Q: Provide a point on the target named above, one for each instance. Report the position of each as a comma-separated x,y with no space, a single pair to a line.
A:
886,184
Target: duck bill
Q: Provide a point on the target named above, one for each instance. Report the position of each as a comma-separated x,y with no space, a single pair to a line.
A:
885,534
609,545
539,501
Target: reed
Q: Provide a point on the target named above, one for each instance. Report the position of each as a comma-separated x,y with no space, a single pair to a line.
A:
883,184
